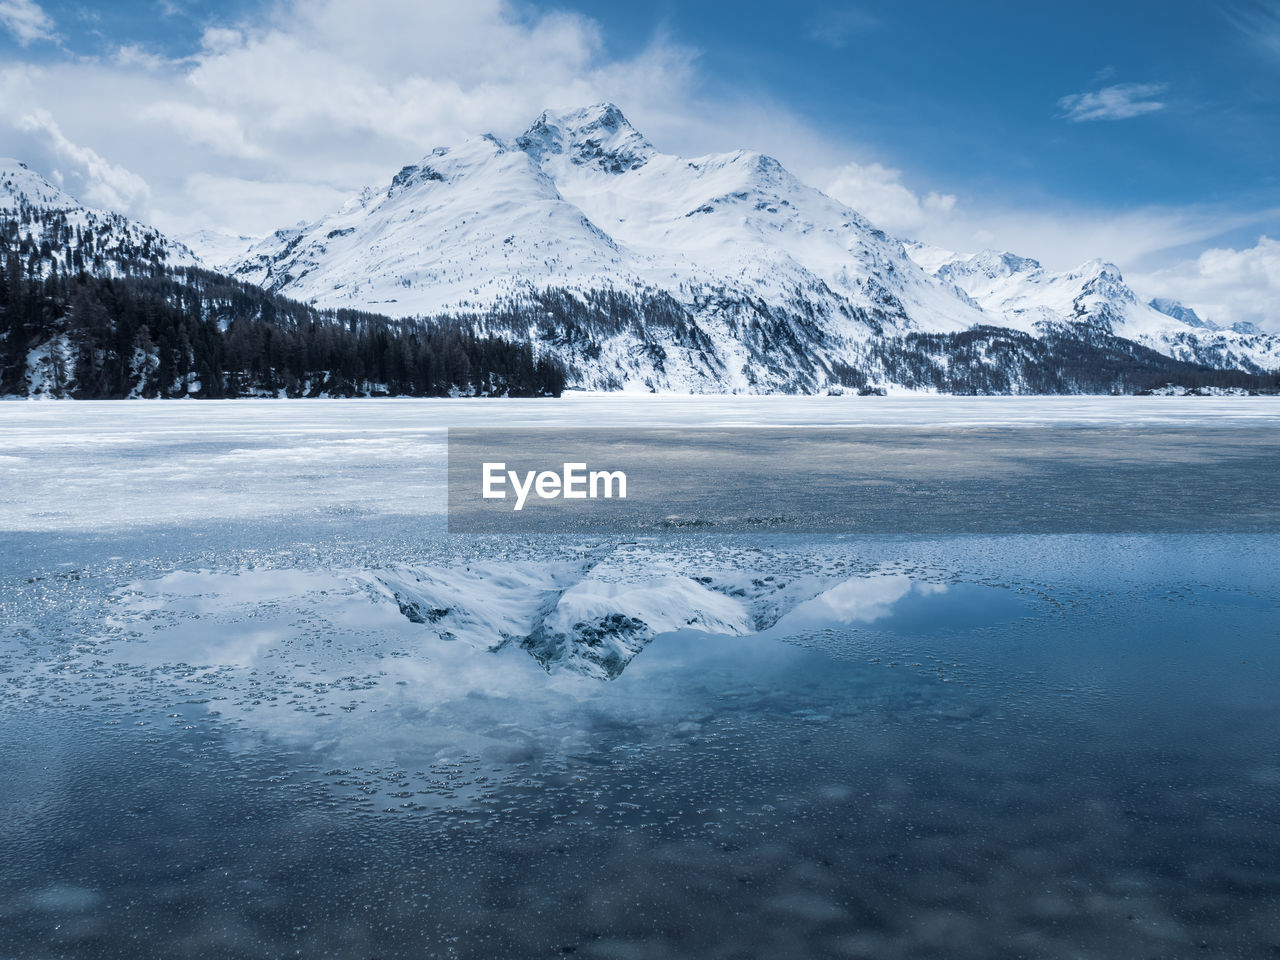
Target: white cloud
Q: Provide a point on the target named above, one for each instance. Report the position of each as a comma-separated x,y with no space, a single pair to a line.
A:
203,125
105,184
26,21
877,192
1063,237
1119,102
1060,237
134,55
1225,285
444,71
249,206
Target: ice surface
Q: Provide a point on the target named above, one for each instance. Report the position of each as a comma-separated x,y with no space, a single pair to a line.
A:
112,464
233,723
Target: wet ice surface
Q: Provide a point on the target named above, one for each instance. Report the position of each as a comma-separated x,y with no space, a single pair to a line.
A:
229,737
101,464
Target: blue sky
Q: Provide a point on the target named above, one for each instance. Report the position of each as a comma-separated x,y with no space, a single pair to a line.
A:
968,94
1146,130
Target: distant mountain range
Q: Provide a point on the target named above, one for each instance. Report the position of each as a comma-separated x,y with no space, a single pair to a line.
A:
636,269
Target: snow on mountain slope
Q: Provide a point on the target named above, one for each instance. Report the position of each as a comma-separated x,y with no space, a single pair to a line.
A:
737,219
741,277
465,226
1017,292
640,270
1180,311
41,211
19,183
581,201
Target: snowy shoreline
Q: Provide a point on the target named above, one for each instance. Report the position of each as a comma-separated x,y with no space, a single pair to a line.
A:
583,409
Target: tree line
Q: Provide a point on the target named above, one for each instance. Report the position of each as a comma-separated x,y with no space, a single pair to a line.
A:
137,326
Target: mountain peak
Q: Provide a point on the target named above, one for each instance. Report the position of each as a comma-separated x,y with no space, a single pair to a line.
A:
583,121
597,136
20,182
989,264
1004,262
1180,311
1099,268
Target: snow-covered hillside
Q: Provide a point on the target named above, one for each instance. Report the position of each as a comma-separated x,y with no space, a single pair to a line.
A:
776,286
20,184
756,262
79,237
214,246
581,200
45,234
1019,293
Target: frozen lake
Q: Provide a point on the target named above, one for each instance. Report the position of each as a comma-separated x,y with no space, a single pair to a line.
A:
97,465
255,701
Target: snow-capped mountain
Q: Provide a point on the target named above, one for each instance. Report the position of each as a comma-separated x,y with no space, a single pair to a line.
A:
94,305
732,274
80,237
1180,311
1017,292
582,200
578,253
754,262
20,184
45,235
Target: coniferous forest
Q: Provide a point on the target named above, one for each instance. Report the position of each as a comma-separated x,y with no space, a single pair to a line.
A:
111,319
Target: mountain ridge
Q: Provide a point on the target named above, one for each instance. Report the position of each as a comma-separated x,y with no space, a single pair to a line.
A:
636,269
581,201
